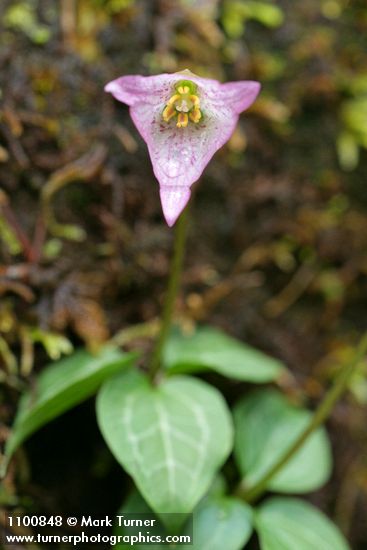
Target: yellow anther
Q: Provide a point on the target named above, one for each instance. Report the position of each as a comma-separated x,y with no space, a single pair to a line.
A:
182,120
183,90
195,100
168,113
173,99
195,115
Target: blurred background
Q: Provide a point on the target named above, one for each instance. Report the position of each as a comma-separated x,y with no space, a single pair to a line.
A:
278,238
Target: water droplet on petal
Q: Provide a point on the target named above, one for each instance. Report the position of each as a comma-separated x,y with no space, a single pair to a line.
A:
172,167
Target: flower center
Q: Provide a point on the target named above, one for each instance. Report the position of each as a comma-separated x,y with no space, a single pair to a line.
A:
184,104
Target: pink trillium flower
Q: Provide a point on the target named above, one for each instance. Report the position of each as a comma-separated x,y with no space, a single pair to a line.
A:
184,119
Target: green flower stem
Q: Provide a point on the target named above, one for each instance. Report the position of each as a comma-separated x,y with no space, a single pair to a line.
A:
250,494
173,285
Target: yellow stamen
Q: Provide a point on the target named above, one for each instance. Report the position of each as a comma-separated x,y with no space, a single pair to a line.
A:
195,100
168,113
182,120
195,115
173,99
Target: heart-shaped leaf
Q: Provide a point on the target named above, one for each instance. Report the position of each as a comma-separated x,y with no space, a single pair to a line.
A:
217,522
171,438
221,522
137,507
211,349
290,523
61,386
266,425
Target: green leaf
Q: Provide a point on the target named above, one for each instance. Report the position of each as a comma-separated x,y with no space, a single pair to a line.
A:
348,150
61,386
267,14
54,344
8,236
211,349
266,425
218,487
218,522
222,522
237,12
170,438
136,505
290,523
21,16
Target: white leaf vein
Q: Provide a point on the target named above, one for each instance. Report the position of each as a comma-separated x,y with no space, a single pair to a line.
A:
202,443
168,448
127,418
163,426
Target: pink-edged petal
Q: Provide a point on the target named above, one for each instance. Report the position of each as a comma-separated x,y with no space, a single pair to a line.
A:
173,200
238,95
134,89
